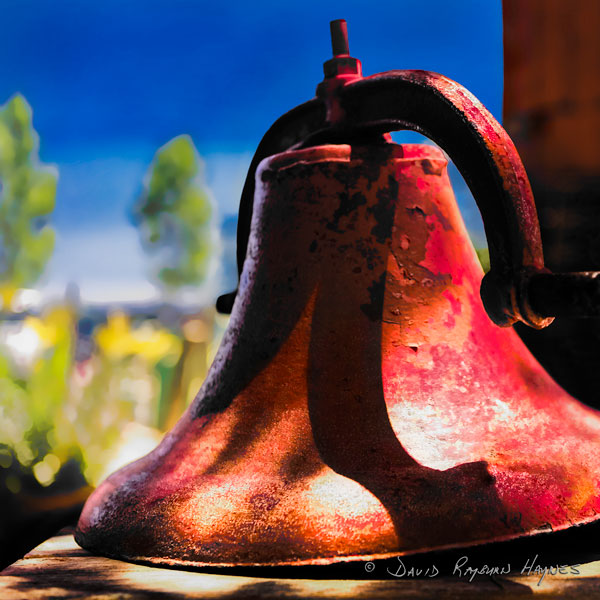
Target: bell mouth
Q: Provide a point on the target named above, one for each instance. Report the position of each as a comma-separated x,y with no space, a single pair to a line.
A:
362,404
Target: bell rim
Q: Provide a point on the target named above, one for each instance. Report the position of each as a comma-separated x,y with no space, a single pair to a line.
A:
497,543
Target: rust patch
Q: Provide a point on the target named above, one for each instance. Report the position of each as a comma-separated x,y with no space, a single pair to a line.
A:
347,208
376,291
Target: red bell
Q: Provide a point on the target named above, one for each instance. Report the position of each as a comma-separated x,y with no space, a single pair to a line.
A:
362,403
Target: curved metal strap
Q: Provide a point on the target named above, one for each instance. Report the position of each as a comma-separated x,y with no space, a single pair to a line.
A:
451,116
484,154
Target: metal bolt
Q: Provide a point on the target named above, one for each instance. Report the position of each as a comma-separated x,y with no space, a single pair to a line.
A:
339,37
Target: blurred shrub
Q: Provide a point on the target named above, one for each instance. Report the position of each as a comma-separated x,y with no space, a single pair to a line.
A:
119,386
54,410
35,367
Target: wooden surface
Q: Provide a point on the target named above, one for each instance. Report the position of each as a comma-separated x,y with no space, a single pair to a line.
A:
58,569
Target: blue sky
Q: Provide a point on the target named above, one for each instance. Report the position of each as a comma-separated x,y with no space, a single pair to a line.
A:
110,82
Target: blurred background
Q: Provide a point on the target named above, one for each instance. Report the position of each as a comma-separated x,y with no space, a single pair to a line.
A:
126,131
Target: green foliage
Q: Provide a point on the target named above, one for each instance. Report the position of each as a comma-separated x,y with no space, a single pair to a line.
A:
33,396
54,410
173,214
483,254
27,196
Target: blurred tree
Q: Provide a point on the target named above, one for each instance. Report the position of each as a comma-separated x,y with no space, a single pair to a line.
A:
173,214
27,196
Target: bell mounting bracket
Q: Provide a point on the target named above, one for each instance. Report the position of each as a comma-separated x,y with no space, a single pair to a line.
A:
350,107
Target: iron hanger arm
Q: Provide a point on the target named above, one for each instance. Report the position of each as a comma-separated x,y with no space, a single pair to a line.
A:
484,154
518,286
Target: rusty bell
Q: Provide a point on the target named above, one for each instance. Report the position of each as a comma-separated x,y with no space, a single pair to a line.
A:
362,404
